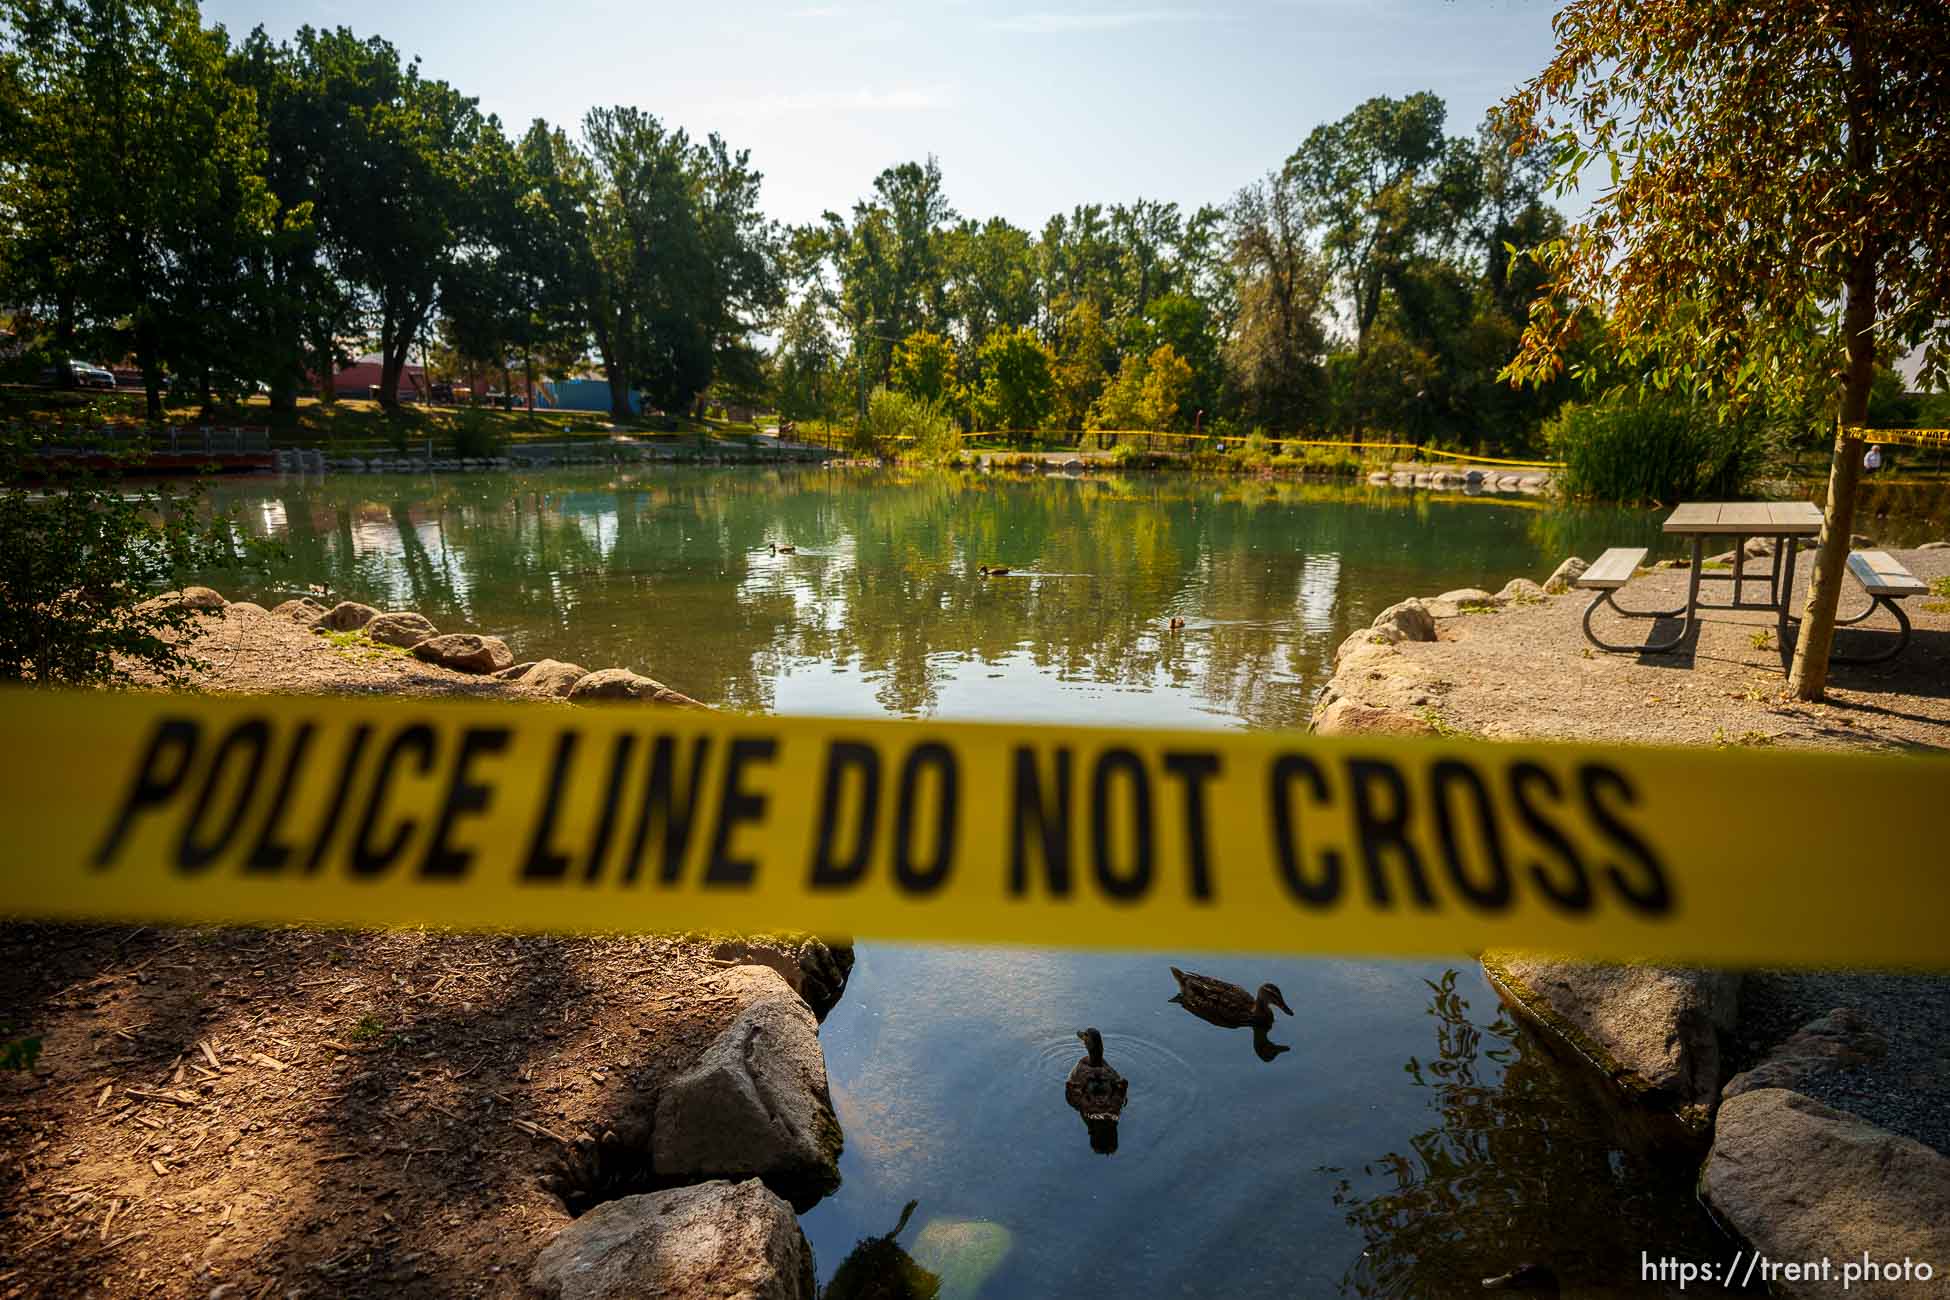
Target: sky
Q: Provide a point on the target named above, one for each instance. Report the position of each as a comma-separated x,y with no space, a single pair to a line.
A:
1032,106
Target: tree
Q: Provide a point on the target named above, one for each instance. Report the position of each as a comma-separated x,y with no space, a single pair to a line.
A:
1774,214
394,193
1016,385
1383,183
1167,379
1278,341
924,366
133,179
1081,365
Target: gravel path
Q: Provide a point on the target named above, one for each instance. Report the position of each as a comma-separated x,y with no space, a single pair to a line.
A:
1908,1091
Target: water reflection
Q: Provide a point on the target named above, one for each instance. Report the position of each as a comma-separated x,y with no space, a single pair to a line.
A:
1526,1178
825,591
879,1269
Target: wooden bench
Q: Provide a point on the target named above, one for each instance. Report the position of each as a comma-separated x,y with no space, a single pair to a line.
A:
1606,576
1613,569
1883,576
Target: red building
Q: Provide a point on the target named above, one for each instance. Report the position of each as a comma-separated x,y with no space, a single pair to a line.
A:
361,379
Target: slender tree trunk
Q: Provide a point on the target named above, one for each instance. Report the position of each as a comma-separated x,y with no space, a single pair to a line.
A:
1808,678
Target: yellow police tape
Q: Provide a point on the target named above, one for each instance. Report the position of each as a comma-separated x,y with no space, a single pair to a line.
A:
1909,437
140,807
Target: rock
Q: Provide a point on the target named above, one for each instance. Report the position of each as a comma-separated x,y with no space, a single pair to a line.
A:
404,630
346,616
755,1103
1074,466
1345,717
1466,596
1840,1039
716,1240
1367,636
544,676
1565,574
1724,557
812,969
1799,1181
1655,1031
622,684
1533,482
465,652
1410,619
1520,591
1379,478
1758,546
1934,546
188,598
302,610
1857,541
246,606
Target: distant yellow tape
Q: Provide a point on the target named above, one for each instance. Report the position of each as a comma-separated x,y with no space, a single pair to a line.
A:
141,807
1913,437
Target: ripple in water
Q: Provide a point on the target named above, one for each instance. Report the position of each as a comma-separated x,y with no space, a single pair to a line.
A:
1164,1087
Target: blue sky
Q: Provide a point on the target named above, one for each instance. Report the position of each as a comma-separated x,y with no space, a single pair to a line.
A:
1032,105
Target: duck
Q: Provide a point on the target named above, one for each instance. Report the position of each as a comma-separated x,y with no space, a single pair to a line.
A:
783,550
1094,1089
1176,623
1225,1004
992,571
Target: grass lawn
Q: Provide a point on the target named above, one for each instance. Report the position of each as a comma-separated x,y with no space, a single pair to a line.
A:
348,426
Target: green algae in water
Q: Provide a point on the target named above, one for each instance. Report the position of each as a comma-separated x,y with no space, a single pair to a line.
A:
963,1253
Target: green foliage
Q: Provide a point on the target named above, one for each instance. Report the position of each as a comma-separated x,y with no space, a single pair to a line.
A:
924,366
81,558
899,424
1651,449
1016,384
477,435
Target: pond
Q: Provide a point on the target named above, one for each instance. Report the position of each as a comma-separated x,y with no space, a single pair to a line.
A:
1410,1142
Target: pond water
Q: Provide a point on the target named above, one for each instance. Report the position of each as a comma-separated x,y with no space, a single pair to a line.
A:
1410,1143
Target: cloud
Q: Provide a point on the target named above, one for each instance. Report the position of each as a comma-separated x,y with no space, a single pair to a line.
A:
820,11
1046,24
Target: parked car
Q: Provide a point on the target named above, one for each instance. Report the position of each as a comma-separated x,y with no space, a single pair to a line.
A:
77,374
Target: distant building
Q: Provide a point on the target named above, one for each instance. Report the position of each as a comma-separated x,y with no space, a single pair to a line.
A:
580,395
361,379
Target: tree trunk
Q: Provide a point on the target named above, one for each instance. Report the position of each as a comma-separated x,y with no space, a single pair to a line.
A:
1808,678
619,394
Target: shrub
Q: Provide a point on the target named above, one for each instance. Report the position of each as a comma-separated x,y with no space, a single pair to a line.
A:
1636,449
80,558
476,435
899,424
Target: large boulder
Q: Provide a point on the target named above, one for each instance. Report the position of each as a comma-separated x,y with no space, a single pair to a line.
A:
1799,1181
1836,1041
1520,591
544,676
1408,621
711,1241
193,598
346,616
465,652
404,630
1466,596
1655,1031
814,970
1565,574
303,610
622,684
755,1103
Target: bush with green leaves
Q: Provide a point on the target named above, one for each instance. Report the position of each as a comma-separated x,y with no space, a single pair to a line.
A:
1635,449
899,424
83,557
476,435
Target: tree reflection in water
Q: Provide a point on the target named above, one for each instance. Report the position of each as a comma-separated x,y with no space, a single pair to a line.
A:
1525,1165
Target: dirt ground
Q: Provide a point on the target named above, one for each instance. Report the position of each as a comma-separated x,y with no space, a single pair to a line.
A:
1526,670
240,1113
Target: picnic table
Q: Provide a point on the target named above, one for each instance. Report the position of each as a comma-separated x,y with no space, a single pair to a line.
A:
1786,522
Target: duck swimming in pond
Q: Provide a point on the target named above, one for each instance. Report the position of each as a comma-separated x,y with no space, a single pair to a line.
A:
1097,1092
1176,623
783,550
992,571
1227,1005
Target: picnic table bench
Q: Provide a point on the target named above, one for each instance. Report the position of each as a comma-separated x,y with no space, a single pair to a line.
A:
1883,576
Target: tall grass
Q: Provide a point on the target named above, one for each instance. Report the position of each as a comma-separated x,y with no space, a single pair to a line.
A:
901,425
1637,450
